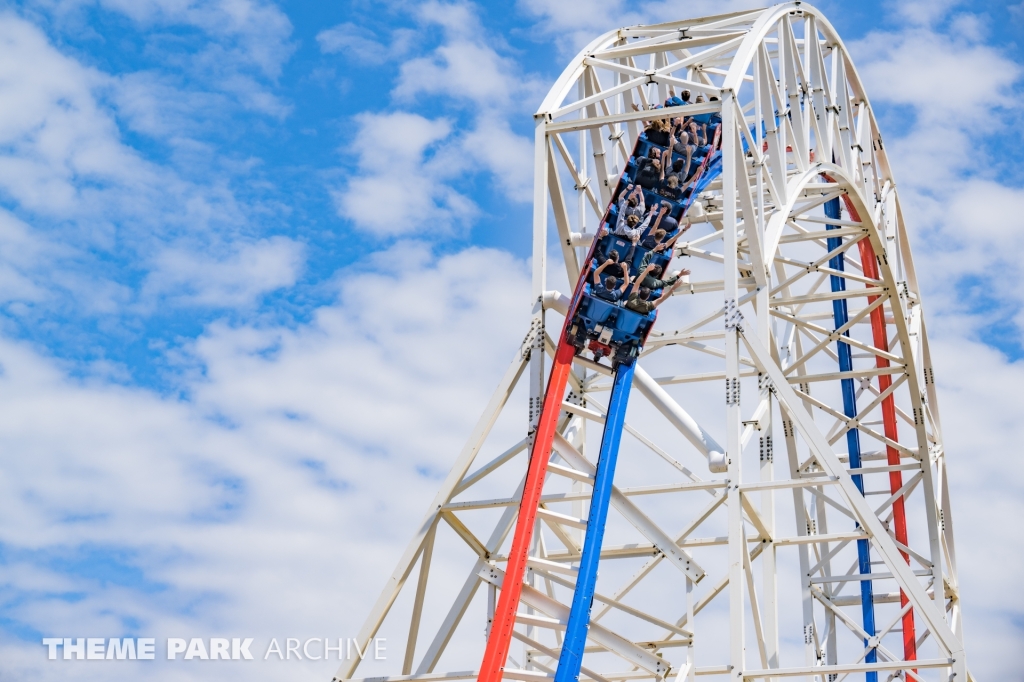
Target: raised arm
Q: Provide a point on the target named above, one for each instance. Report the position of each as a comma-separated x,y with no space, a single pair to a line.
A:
642,122
641,276
625,279
671,242
641,202
600,268
624,194
652,211
661,214
667,293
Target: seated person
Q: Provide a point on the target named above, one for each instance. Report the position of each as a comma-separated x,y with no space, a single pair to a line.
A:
614,266
680,168
631,202
652,240
658,132
695,163
670,188
663,219
610,289
698,134
669,224
602,252
654,153
651,278
638,302
674,101
667,246
651,175
632,227
662,247
681,145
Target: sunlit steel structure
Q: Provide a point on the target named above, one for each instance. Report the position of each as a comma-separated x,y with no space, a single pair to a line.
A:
800,337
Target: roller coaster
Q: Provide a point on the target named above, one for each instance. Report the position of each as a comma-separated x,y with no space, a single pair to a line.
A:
774,184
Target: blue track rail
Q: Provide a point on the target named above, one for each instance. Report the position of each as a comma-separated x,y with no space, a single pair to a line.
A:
586,582
841,316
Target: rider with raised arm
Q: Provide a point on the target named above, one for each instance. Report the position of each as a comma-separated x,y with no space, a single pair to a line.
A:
631,202
637,299
650,277
630,226
609,290
683,146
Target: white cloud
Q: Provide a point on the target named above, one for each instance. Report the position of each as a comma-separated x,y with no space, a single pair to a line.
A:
84,196
63,156
51,128
981,424
467,70
257,503
351,39
253,507
239,53
960,93
462,70
404,315
945,79
508,157
467,67
404,163
236,280
924,12
252,95
156,105
361,44
254,32
18,273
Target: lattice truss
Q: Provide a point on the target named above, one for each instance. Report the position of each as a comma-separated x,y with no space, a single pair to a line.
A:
753,571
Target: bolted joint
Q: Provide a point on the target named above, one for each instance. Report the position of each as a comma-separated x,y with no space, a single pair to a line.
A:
732,391
733,316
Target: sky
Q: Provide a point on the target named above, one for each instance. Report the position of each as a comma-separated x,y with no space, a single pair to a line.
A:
262,262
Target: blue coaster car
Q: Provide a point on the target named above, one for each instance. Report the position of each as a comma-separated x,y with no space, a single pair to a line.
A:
609,329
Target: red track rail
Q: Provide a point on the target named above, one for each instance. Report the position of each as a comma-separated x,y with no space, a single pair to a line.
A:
881,340
500,638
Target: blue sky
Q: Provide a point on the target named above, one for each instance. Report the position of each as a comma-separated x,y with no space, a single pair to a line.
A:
258,122
223,224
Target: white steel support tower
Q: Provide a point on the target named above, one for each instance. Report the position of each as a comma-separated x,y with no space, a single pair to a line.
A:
785,436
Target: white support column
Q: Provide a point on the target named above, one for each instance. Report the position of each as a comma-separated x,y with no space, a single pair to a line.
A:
691,654
543,164
766,452
737,534
540,251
